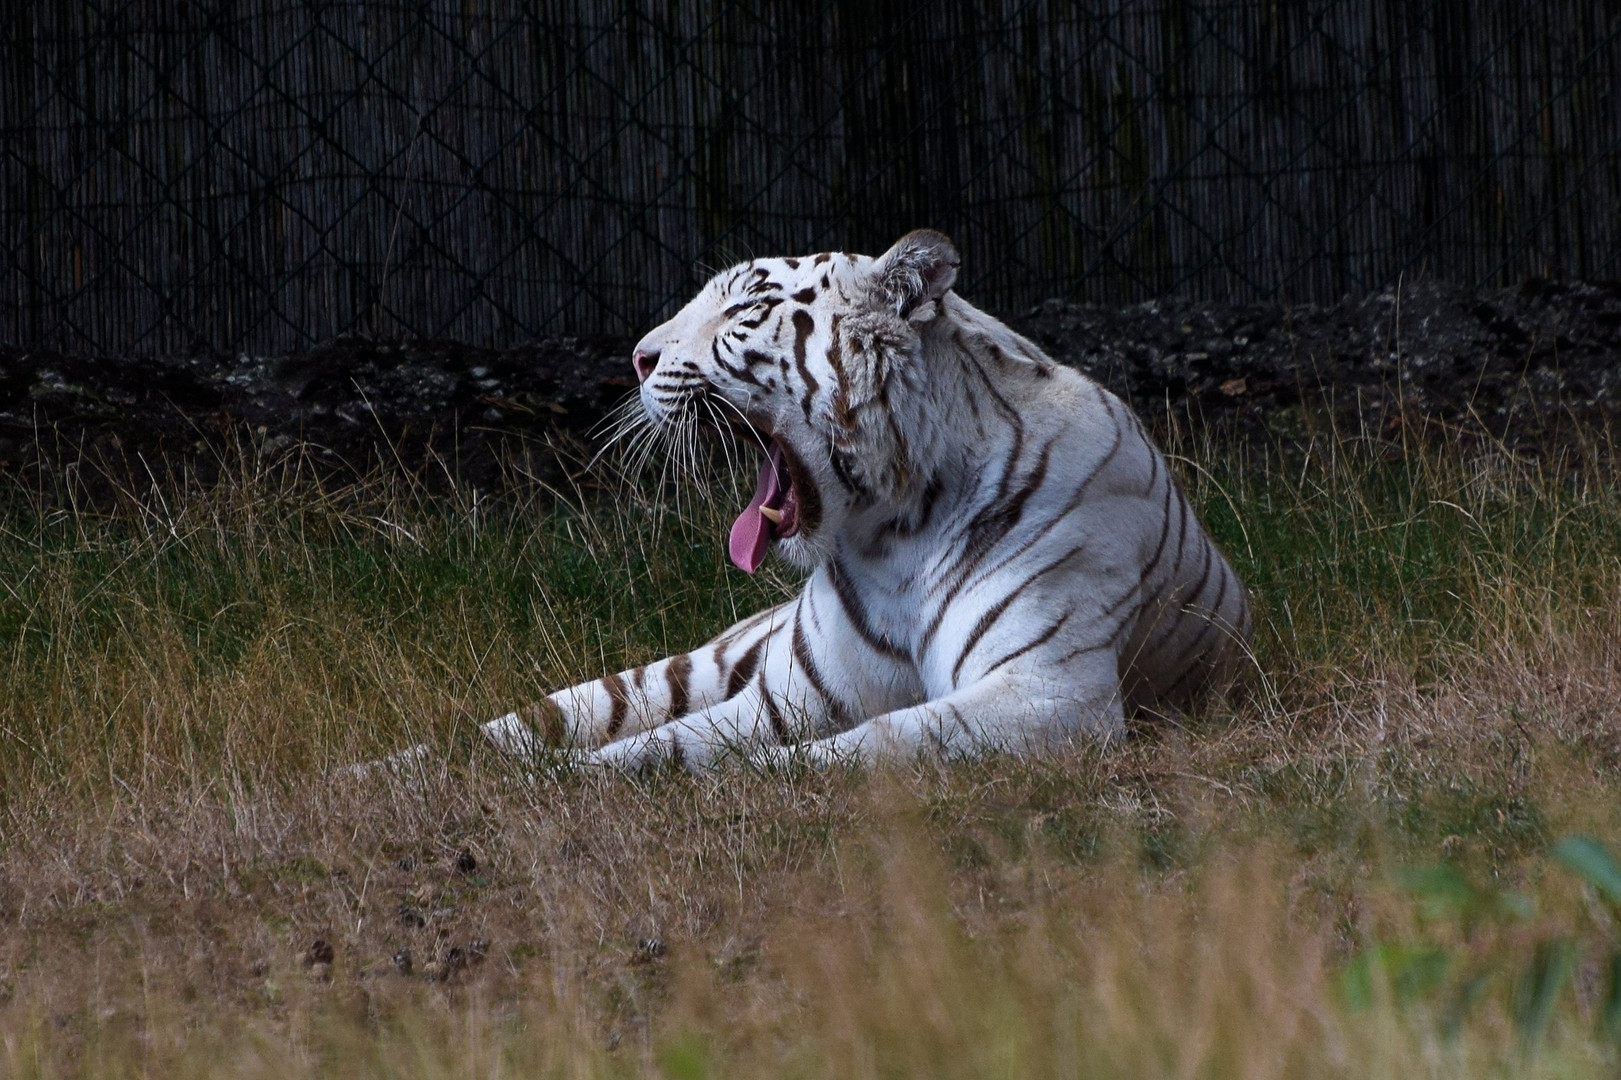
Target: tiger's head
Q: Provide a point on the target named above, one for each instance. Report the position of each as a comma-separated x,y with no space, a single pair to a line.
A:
816,361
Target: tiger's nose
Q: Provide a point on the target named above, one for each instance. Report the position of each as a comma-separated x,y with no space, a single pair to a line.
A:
644,362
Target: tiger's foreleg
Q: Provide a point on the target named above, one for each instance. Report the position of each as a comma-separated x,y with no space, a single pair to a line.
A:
808,677
1012,713
618,706
759,715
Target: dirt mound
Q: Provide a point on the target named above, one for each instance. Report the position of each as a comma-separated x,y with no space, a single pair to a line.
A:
1533,365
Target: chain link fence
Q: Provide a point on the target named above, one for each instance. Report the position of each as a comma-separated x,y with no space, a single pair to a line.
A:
210,175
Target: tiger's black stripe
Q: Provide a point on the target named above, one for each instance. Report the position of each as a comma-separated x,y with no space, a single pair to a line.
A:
718,656
1187,659
768,304
1035,643
678,675
619,702
856,611
1165,534
1082,650
1182,533
779,727
744,670
813,675
804,325
741,630
548,720
996,610
1174,691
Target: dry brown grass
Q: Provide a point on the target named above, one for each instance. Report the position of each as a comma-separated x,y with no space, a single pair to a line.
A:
1440,666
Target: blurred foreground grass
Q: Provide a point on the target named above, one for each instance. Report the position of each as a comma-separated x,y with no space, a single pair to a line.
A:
1346,874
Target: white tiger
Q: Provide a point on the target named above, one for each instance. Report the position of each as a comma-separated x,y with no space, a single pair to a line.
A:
999,557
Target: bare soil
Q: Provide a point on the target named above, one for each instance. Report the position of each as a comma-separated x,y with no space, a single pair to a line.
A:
1533,366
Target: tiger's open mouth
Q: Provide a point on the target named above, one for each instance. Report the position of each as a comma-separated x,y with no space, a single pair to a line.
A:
773,513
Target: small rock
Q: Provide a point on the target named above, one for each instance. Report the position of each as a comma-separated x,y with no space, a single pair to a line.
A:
320,972
402,961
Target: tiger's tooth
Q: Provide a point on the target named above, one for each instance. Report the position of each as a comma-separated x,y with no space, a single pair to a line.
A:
773,516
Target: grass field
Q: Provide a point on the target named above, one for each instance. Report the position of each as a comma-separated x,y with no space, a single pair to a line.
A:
1365,868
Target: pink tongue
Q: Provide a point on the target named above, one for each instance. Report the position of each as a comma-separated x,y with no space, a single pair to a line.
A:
751,533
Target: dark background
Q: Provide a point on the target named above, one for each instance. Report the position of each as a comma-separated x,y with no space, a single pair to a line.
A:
191,177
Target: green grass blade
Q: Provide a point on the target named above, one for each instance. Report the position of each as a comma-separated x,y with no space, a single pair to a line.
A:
1592,862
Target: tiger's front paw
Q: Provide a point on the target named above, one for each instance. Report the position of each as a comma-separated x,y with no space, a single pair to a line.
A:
652,750
805,755
771,759
634,754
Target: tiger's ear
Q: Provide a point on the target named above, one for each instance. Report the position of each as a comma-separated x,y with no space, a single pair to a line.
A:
915,273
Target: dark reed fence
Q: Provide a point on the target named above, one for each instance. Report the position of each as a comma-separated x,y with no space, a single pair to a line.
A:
178,175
